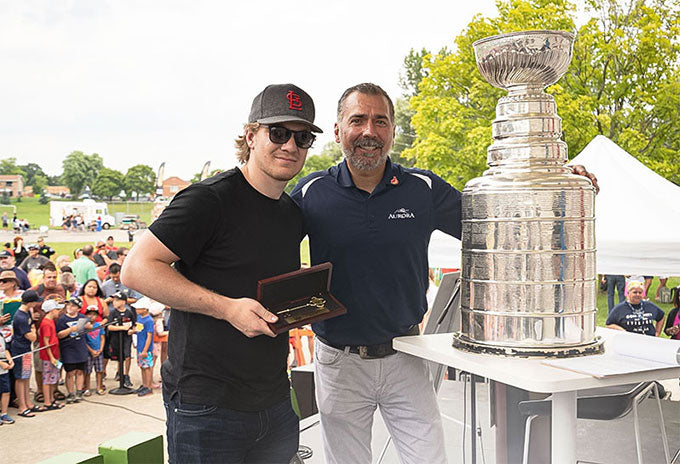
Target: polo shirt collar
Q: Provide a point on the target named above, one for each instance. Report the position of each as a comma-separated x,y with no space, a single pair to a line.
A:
392,176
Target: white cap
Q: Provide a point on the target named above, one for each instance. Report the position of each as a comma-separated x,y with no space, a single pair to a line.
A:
143,302
49,305
156,308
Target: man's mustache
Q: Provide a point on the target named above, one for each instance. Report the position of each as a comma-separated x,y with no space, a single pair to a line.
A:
368,142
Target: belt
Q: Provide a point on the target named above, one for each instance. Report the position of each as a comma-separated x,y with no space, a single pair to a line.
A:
378,351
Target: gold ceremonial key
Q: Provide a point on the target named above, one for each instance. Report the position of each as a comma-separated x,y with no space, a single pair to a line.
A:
314,301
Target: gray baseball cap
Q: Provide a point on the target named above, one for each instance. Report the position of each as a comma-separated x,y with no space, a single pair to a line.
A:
283,103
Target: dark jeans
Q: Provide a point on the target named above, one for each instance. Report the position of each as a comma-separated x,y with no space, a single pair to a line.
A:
618,283
201,433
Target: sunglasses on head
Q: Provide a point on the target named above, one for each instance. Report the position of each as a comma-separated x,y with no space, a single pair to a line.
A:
279,134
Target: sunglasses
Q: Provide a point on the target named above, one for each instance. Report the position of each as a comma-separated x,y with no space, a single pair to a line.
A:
279,134
4,281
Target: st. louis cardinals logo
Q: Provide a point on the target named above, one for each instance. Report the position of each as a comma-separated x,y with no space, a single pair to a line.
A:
294,102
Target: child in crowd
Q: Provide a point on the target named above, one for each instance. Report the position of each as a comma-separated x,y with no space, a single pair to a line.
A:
122,322
6,363
144,329
95,345
160,336
49,354
73,347
24,335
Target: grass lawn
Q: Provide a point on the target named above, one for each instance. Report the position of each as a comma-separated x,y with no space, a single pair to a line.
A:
29,208
39,215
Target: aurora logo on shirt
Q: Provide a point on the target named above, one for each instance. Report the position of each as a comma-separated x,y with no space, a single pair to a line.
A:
402,213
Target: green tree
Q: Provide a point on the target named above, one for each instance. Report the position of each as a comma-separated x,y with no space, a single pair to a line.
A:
80,170
108,183
330,154
622,82
8,166
39,184
31,171
139,179
409,79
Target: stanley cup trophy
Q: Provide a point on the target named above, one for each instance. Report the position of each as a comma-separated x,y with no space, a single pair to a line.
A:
529,283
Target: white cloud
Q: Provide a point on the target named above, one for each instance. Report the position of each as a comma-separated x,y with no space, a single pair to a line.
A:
153,81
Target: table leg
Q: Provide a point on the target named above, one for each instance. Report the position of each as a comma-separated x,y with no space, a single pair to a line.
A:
564,428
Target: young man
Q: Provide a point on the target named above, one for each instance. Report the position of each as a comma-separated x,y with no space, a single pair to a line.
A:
49,354
122,321
144,329
373,220
224,234
25,333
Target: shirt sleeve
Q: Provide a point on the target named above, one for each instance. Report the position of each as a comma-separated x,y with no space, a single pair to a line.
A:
612,318
188,222
447,206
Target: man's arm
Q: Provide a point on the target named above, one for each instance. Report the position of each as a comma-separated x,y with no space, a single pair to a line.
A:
147,270
659,327
615,326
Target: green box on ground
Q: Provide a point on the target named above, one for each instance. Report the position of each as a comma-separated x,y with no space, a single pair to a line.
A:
74,457
133,448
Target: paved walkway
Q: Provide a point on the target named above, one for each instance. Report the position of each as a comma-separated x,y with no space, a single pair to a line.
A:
82,426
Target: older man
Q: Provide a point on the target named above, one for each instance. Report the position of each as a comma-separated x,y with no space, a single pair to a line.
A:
224,382
50,285
373,220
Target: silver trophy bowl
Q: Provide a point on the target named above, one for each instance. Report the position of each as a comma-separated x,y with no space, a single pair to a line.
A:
529,283
530,58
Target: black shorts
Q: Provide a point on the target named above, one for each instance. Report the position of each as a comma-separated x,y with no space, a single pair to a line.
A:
68,367
115,350
107,345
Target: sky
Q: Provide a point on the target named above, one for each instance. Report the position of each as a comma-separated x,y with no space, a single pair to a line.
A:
172,81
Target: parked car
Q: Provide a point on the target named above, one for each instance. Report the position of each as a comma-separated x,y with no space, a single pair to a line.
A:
132,221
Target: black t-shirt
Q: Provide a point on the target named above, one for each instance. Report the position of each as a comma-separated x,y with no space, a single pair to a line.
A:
228,236
119,318
73,348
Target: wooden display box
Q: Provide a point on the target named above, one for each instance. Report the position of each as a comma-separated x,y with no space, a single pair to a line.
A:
299,298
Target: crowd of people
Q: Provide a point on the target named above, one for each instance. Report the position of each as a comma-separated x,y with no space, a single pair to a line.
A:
61,319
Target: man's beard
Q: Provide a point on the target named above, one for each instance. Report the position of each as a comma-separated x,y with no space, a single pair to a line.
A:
364,162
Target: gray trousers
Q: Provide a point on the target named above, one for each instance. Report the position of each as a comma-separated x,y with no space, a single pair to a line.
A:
348,391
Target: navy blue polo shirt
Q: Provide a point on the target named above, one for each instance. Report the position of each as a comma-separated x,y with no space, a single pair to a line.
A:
378,246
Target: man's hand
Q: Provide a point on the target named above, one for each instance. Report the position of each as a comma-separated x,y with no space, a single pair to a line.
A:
250,318
580,170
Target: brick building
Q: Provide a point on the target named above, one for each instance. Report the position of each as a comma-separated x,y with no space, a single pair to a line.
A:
12,184
172,185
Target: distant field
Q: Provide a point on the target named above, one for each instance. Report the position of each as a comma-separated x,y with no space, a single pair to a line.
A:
39,215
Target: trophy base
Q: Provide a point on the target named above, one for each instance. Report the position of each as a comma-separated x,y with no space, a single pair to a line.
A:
595,347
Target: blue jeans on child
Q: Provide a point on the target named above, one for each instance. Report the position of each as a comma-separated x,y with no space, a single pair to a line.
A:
203,433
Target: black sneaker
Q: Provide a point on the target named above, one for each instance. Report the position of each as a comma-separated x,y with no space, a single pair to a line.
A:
71,398
127,382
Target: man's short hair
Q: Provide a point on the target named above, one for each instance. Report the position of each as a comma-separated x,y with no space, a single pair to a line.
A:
366,88
114,268
49,266
241,144
88,250
110,237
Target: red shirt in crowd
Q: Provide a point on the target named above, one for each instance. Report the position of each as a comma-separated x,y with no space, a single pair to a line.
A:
48,330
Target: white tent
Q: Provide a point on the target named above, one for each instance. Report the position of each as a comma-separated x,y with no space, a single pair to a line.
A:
637,225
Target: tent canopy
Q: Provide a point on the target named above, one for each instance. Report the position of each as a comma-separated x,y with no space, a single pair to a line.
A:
637,216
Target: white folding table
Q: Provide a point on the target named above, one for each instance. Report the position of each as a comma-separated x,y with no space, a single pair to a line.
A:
530,375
